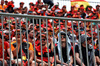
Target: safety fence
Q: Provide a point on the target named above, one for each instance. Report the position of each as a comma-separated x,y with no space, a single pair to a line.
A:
28,40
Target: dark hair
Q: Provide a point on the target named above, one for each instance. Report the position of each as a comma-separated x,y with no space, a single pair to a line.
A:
89,38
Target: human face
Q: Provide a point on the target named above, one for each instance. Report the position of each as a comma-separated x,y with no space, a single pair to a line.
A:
43,41
89,41
18,36
31,34
63,38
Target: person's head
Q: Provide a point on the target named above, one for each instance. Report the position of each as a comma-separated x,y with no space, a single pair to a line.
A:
63,36
6,35
39,1
2,2
94,35
6,2
63,39
64,8
21,4
83,39
31,4
97,7
17,32
89,40
30,34
44,42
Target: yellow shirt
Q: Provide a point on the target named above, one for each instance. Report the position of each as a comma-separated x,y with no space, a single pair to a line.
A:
3,7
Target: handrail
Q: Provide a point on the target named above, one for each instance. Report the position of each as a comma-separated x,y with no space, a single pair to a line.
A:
48,17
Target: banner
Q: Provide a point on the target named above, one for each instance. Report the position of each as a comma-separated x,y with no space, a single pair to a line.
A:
77,3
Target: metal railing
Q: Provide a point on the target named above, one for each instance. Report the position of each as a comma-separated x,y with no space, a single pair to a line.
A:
43,24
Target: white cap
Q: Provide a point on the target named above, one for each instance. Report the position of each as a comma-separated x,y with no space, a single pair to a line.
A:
43,8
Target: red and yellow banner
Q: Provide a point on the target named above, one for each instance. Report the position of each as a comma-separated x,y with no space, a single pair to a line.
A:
77,3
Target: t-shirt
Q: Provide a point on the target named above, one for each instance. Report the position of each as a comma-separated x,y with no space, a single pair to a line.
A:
64,52
96,52
3,7
83,53
45,53
24,48
6,46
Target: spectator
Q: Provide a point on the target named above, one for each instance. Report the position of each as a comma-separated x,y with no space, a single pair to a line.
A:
97,53
6,51
2,6
84,54
24,49
44,51
64,51
10,6
21,8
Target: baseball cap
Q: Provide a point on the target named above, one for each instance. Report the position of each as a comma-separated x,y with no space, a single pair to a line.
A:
43,8
21,2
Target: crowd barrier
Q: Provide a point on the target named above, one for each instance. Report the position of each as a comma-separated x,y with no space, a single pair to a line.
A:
37,20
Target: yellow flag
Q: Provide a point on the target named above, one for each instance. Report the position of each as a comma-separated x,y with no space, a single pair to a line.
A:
77,3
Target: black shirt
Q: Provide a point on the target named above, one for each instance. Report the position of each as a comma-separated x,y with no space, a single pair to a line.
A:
83,49
96,52
64,52
24,49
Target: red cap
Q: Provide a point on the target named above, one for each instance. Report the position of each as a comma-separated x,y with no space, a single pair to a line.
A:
61,23
21,2
31,3
95,33
64,6
10,3
81,7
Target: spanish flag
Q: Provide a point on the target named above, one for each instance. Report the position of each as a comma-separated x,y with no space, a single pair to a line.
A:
77,3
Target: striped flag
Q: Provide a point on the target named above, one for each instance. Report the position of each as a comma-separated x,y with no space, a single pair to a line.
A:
77,3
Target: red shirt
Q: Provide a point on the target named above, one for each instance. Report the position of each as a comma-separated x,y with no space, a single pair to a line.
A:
6,46
45,53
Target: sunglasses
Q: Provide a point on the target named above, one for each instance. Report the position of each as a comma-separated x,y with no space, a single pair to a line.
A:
43,39
63,36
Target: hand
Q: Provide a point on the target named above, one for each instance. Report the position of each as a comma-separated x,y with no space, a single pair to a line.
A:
46,64
83,64
30,61
5,63
70,64
12,61
51,39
